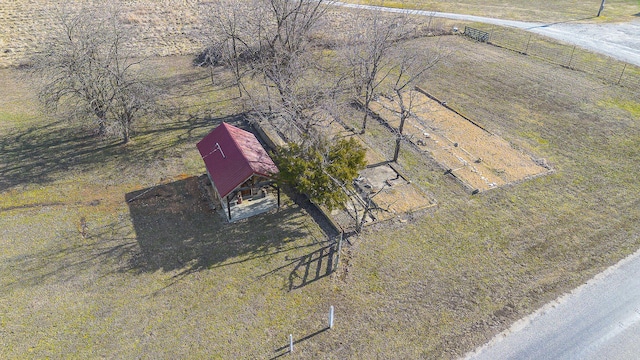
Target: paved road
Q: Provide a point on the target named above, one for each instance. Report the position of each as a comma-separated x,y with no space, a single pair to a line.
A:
618,40
599,320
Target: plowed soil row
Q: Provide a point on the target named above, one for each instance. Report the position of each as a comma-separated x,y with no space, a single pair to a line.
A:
479,159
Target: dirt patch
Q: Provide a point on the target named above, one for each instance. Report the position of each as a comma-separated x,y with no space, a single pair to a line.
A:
479,159
178,197
380,186
390,193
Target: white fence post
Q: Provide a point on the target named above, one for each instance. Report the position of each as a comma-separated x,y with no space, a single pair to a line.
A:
331,317
290,342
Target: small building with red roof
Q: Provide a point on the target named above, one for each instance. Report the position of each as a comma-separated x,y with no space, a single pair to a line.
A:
240,170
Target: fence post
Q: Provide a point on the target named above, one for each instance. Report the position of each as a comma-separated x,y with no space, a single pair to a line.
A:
528,41
338,252
571,58
601,8
331,317
290,342
622,73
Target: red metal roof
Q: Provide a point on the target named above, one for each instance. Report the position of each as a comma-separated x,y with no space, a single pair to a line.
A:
232,156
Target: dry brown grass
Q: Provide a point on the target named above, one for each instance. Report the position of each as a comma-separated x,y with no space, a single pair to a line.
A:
87,273
142,281
159,28
452,279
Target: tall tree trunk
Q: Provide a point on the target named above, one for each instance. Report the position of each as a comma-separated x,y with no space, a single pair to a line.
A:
125,136
102,127
367,101
404,114
397,151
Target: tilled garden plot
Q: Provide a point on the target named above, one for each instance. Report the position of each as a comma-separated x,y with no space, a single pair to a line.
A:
391,193
479,159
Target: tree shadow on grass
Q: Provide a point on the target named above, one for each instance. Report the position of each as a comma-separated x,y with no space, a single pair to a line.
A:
41,154
36,155
72,258
170,228
176,230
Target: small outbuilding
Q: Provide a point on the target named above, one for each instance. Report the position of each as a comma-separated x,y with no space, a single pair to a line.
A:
240,169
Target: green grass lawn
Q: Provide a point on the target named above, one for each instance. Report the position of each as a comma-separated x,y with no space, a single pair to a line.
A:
87,273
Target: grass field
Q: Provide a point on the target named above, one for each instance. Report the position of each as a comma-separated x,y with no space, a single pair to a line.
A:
547,10
87,274
480,262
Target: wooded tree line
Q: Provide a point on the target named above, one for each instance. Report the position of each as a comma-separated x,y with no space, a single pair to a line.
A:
306,70
307,67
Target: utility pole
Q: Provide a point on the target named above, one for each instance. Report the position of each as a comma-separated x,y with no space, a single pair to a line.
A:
601,7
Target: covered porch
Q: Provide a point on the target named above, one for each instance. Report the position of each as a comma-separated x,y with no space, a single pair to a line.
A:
241,172
255,196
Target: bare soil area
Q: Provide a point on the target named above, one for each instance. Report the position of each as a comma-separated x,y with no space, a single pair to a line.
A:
479,159
392,196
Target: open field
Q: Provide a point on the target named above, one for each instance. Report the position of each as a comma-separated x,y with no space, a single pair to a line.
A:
478,263
546,10
174,27
87,274
161,28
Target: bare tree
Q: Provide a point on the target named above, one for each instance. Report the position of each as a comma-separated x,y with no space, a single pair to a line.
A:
361,204
411,67
272,41
296,84
369,54
86,65
229,36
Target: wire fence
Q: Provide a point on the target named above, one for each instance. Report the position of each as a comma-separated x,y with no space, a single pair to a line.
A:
606,68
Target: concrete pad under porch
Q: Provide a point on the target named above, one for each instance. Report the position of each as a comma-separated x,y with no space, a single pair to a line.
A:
248,207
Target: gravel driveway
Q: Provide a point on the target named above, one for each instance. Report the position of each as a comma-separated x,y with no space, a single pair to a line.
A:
618,40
